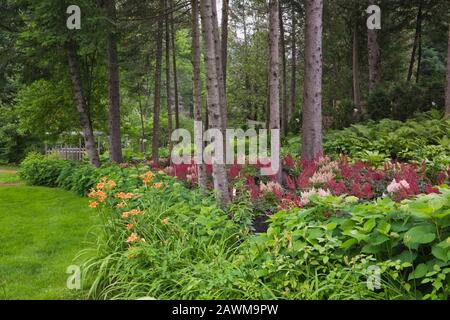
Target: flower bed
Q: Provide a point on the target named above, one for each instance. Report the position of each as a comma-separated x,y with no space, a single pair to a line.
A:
302,179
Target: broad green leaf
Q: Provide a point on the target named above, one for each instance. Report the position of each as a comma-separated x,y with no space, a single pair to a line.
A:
369,225
349,243
384,228
419,235
440,253
420,272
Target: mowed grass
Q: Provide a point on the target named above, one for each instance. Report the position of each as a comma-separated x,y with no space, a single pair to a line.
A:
8,175
41,231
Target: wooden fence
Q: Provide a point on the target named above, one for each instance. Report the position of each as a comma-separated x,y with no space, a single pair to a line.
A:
67,153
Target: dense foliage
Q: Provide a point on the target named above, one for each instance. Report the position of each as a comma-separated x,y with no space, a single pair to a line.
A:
160,239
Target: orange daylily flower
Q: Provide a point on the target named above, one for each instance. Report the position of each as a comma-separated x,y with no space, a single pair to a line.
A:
123,195
130,226
93,204
147,177
121,205
100,185
158,185
135,212
101,196
111,184
125,214
132,238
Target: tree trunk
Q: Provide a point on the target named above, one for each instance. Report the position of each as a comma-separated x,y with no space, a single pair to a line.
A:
141,117
213,65
175,74
219,65
291,110
225,4
419,54
80,103
355,69
284,113
274,82
447,90
115,145
169,87
416,41
374,58
312,94
197,91
157,94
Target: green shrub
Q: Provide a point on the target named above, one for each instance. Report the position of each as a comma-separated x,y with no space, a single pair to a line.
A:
37,169
425,139
78,177
398,102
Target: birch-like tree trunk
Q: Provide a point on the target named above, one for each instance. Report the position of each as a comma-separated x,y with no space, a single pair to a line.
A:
219,66
169,86
355,68
213,79
115,145
174,61
274,73
312,93
293,96
80,103
447,90
225,5
197,90
157,94
283,108
373,48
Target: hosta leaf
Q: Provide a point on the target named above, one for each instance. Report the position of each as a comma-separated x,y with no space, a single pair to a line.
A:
419,235
349,243
406,256
420,272
440,253
384,228
369,225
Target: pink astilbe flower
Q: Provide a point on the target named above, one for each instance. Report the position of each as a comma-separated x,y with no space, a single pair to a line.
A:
306,195
321,177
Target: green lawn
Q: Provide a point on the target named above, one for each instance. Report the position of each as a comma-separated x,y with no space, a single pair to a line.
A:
41,230
8,175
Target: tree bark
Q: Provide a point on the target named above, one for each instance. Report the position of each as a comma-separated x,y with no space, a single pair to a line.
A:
115,145
283,109
312,93
81,105
373,47
355,69
274,82
169,86
447,90
213,65
157,94
291,110
197,90
419,54
416,41
175,74
141,117
219,65
225,4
